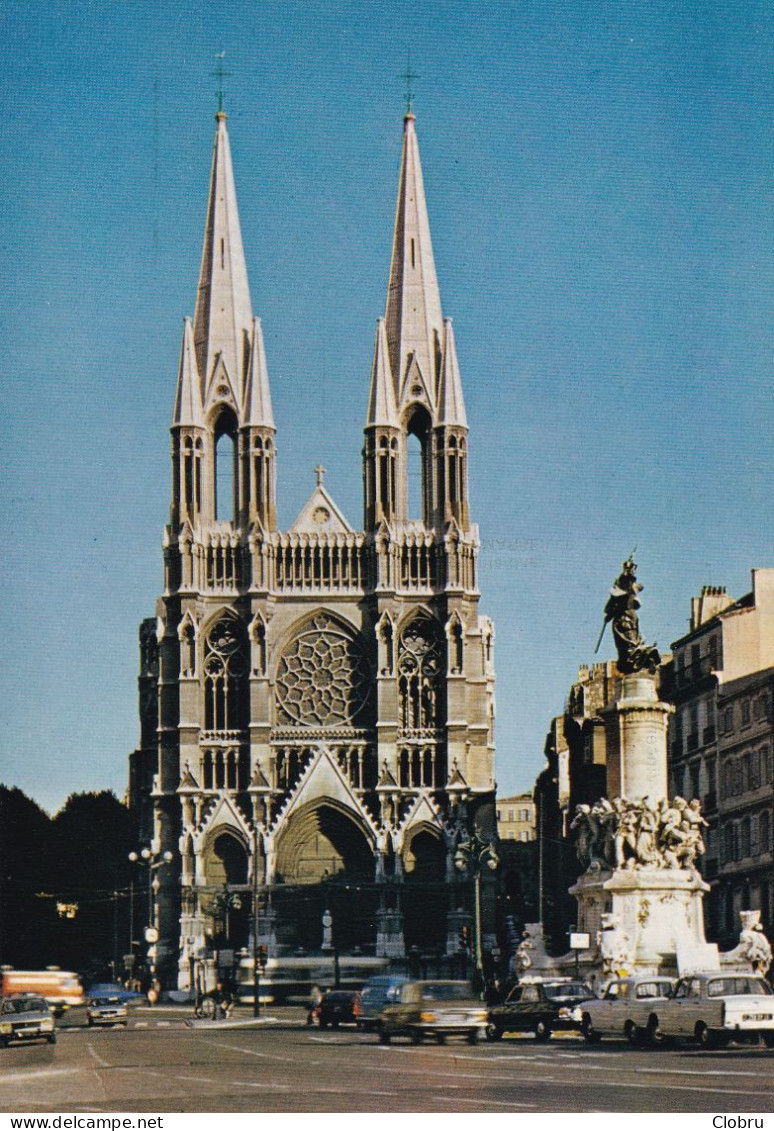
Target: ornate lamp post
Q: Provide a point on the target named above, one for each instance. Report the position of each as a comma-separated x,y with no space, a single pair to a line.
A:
152,859
474,855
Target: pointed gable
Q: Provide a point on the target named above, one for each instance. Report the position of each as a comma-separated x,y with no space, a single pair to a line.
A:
320,515
223,308
414,323
325,781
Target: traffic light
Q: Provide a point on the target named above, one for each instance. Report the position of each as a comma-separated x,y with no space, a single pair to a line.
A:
465,939
261,956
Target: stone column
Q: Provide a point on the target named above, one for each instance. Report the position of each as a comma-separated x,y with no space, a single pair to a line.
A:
636,737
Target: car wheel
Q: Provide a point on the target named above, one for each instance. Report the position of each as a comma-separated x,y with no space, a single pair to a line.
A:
415,1036
322,1024
768,1040
654,1034
384,1037
441,1037
493,1032
633,1034
706,1038
472,1037
52,1039
542,1032
589,1032
334,1024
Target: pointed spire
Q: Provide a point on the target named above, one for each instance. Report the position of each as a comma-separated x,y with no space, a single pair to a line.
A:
257,404
382,410
188,398
223,310
451,404
413,314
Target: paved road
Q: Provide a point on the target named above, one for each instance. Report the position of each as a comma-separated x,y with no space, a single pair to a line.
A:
159,1064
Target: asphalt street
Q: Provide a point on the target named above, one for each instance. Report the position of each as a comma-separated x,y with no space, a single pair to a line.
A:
160,1064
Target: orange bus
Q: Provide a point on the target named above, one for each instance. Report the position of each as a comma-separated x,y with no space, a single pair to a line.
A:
61,988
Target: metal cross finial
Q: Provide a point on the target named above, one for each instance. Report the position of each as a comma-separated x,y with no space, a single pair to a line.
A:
220,74
320,473
409,76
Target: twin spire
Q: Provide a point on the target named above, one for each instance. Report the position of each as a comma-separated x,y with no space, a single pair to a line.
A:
415,359
223,359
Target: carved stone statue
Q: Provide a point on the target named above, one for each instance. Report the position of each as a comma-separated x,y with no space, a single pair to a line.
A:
634,654
615,947
637,834
754,947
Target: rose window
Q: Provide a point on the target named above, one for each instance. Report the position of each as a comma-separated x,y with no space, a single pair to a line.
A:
324,678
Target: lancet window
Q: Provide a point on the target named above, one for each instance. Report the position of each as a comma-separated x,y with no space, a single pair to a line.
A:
225,675
421,670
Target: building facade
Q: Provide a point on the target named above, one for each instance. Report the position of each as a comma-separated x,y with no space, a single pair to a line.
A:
516,818
728,641
745,725
317,703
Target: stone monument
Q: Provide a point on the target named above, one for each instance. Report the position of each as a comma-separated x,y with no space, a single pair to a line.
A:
640,898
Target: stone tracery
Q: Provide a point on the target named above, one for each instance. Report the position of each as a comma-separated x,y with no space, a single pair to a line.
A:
323,678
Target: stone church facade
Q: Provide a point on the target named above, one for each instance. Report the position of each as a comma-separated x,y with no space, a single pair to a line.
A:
317,703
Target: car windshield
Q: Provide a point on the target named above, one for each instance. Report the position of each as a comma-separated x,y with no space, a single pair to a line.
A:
448,992
737,987
106,1001
568,989
24,1005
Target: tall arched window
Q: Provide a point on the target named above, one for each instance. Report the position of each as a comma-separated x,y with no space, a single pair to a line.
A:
225,467
421,675
419,499
225,675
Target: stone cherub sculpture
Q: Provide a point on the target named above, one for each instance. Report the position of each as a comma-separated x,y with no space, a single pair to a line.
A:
634,655
639,834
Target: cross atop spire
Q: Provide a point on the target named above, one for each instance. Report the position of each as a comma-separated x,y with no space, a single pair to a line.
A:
220,74
409,76
320,473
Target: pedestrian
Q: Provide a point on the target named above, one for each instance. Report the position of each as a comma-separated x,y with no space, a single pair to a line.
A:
154,990
315,997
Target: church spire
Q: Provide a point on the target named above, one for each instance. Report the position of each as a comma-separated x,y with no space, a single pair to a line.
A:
413,315
224,318
451,404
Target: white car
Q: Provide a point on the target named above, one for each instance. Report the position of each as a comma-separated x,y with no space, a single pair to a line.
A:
715,1008
625,1008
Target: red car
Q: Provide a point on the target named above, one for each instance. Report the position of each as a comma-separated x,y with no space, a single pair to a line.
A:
339,1007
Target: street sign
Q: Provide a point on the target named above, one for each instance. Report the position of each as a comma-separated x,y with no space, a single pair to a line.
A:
580,941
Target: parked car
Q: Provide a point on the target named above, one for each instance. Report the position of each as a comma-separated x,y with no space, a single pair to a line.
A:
715,1008
106,1011
26,1017
378,992
115,990
541,1008
433,1009
625,1008
338,1007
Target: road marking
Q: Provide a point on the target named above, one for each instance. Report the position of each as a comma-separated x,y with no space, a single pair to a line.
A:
261,1055
482,1105
22,1075
695,1072
96,1057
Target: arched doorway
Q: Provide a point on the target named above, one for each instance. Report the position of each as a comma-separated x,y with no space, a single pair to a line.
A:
325,862
225,868
425,897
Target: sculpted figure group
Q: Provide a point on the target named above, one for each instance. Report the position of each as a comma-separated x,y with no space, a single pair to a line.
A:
639,834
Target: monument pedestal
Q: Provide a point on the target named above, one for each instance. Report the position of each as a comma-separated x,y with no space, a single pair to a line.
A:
646,920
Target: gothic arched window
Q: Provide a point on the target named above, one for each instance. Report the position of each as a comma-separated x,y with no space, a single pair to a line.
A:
418,464
225,672
421,669
225,466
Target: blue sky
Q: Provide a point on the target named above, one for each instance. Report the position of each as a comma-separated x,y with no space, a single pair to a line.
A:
599,185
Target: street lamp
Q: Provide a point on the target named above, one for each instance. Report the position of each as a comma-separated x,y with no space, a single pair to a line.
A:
474,855
152,860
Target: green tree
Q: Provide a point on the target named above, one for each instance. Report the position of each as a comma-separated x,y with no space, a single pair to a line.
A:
28,920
